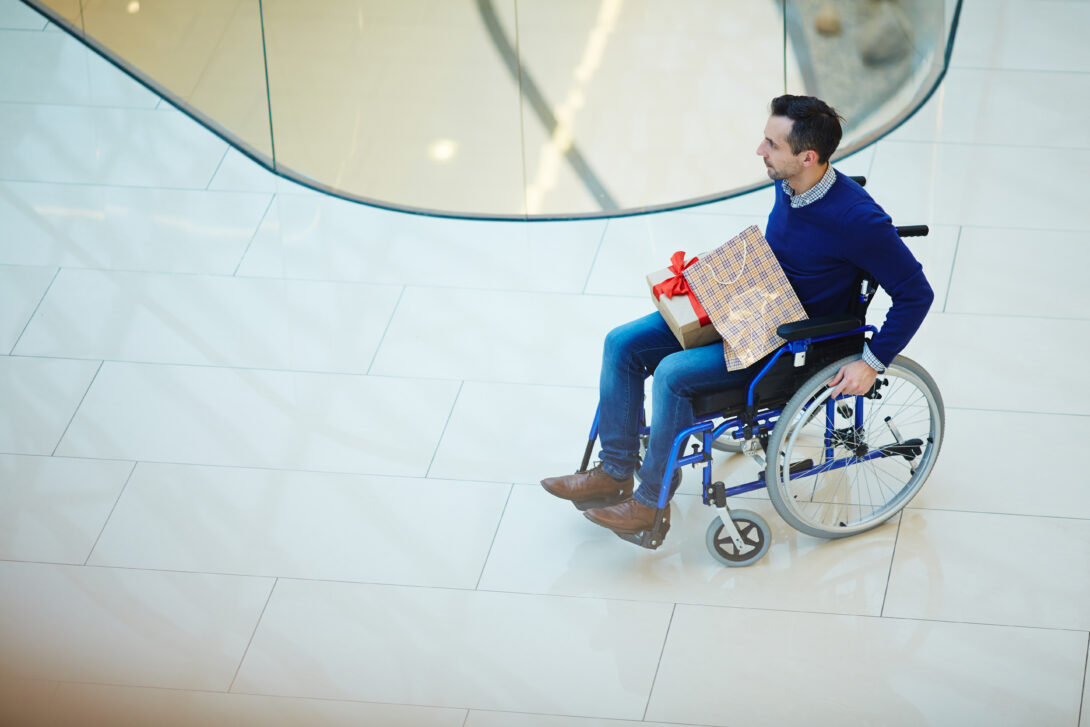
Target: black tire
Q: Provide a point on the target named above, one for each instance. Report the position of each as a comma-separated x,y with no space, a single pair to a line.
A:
905,422
753,529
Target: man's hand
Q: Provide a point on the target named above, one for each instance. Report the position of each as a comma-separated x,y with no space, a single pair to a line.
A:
854,379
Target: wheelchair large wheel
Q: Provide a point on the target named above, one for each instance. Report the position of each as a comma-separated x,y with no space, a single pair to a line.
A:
836,468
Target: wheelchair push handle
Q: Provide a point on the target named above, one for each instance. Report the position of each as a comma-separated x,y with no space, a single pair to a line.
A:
913,230
906,230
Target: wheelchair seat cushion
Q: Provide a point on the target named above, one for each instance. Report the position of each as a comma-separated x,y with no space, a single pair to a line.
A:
781,381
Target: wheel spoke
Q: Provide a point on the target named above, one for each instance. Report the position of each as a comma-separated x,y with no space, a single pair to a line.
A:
864,483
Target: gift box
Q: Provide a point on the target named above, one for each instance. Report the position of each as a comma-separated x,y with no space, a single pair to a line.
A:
679,305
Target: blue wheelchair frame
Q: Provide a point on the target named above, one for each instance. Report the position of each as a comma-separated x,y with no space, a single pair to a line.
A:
710,433
751,420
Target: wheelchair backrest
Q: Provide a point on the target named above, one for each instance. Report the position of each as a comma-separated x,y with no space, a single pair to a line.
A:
865,284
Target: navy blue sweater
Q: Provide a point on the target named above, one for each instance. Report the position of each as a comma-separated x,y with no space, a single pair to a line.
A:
823,246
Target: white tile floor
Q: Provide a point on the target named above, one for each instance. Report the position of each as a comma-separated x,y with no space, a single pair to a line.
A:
270,458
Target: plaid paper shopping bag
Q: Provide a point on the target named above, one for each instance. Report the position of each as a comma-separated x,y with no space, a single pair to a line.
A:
747,295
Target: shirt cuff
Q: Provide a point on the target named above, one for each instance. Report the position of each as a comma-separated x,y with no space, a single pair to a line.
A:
871,360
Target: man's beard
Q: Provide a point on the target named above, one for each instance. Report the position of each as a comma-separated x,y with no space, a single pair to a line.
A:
779,174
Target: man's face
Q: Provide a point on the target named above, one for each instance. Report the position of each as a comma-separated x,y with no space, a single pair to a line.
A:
780,162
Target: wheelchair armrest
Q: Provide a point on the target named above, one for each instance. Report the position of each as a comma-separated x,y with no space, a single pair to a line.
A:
814,327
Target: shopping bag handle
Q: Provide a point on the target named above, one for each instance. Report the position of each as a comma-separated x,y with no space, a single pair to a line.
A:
745,254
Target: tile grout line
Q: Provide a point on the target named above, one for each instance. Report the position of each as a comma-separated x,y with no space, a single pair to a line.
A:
1017,228
953,264
196,690
80,404
460,289
580,718
892,557
486,382
524,292
496,291
335,700
215,171
318,372
1085,677
567,596
122,106
389,322
998,514
594,261
439,442
111,514
971,226
1018,70
257,229
980,144
495,534
658,665
249,643
33,313
151,187
389,284
297,470
518,483
870,166
360,282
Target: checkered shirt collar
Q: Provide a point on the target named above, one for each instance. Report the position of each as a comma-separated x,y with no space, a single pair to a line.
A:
814,193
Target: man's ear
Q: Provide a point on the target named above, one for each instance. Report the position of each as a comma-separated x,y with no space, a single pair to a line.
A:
809,158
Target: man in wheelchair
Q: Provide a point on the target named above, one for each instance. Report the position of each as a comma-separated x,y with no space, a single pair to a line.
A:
825,231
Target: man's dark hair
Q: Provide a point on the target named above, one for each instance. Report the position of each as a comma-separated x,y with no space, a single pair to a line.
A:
816,125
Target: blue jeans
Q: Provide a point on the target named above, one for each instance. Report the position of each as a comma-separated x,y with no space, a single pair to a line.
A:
633,351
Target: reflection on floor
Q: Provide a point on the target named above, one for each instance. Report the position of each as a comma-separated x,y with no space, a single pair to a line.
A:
270,458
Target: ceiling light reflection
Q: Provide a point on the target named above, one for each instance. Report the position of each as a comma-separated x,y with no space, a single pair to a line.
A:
443,150
50,211
133,8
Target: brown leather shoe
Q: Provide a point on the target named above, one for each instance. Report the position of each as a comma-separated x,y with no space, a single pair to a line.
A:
594,488
628,517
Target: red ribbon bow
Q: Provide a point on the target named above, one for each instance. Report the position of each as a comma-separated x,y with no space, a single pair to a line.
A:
678,285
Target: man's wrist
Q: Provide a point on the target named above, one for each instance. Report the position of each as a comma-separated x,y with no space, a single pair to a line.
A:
871,360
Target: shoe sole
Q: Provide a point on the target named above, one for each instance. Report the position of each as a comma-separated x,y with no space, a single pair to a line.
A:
621,531
584,505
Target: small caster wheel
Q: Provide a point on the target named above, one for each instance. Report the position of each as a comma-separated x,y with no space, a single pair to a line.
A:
754,531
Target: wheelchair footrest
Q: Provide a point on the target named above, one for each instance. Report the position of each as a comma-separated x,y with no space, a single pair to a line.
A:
910,450
650,539
804,465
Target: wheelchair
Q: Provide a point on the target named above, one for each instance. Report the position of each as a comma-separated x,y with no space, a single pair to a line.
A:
833,467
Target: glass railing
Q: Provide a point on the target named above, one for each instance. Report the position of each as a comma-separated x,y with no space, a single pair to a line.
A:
520,108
